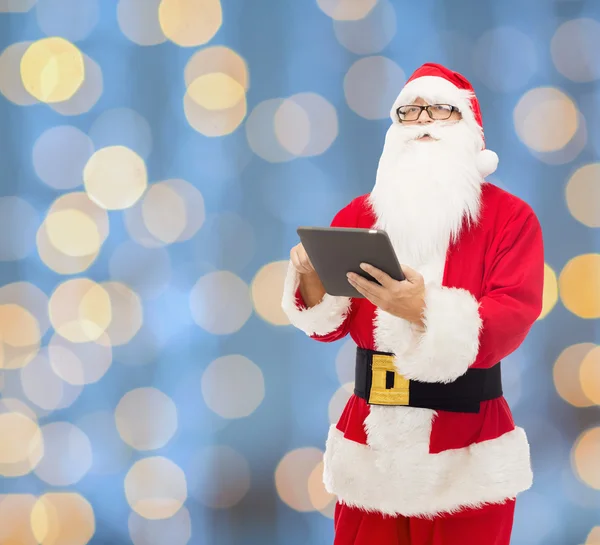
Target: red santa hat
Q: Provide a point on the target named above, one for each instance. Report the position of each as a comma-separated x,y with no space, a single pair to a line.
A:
438,85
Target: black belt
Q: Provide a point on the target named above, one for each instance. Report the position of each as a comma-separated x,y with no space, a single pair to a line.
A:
378,383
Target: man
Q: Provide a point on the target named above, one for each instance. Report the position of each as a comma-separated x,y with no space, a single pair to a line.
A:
431,456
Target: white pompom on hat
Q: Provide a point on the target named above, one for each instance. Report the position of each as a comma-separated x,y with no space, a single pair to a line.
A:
438,85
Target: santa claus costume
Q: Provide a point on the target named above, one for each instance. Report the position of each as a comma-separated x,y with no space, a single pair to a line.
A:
426,451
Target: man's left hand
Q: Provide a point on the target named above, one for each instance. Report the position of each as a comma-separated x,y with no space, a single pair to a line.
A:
404,299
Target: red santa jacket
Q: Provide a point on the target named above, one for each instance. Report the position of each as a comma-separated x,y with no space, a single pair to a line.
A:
482,297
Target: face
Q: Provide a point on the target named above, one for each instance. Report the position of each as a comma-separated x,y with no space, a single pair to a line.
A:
425,119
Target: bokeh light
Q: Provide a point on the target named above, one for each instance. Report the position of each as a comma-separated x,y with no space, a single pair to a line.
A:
127,313
20,336
44,387
505,58
15,519
321,500
60,155
18,224
122,127
546,119
233,386
80,310
146,418
371,86
571,151
72,233
550,296
573,46
138,20
593,537
60,518
217,59
583,195
579,285
11,84
220,477
267,289
338,401
171,211
52,69
88,213
293,475
21,444
176,530
155,488
345,361
70,19
346,10
87,95
220,303
80,363
146,271
370,34
67,454
190,23
589,374
115,177
34,301
585,456
16,6
566,374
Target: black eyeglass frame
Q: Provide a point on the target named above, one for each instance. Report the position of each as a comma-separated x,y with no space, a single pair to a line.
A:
426,108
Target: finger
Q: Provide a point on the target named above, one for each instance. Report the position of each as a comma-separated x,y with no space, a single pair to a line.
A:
383,278
369,296
369,287
411,275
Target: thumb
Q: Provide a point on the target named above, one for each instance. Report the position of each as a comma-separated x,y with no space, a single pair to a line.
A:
411,275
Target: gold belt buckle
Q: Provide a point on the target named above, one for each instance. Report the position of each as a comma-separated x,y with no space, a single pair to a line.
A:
398,394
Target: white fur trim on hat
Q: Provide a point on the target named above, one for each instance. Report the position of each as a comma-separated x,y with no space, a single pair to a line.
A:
487,162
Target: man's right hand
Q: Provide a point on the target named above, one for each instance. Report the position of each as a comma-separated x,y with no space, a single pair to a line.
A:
301,261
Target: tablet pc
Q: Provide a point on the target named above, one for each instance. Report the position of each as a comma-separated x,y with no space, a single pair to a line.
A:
335,251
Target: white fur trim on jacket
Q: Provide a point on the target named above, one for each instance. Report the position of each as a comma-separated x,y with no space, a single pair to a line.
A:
321,319
413,482
450,342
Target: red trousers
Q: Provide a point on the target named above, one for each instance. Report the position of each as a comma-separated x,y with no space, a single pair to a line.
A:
488,525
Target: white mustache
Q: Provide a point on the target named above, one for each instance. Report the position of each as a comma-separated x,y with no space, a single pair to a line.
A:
413,132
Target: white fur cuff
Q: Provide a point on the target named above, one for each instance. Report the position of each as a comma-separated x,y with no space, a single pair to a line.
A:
450,342
321,319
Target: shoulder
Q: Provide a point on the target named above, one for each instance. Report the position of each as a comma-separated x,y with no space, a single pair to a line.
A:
353,214
501,208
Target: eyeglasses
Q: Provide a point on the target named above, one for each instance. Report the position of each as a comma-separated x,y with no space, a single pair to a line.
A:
437,112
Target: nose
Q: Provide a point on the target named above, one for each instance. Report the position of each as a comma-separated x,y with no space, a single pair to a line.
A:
424,118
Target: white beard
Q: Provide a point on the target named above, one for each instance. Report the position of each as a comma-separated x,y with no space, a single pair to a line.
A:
426,191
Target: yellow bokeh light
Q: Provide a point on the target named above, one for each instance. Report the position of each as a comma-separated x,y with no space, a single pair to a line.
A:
21,444
217,59
127,313
80,310
15,516
583,195
138,20
585,456
155,488
11,85
190,23
593,537
579,285
65,517
589,374
52,69
115,177
321,500
73,233
216,91
146,418
292,478
20,336
214,123
267,289
546,119
566,374
346,10
164,212
292,127
550,296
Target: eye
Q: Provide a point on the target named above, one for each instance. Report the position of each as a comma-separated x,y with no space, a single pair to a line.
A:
442,108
